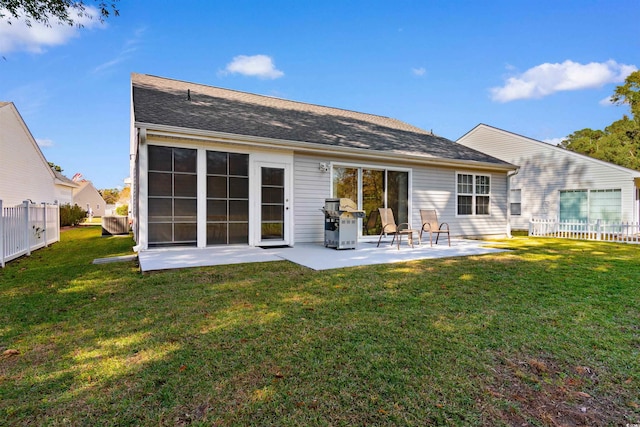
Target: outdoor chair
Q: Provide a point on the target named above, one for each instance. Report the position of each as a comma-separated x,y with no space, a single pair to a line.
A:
389,227
430,223
372,222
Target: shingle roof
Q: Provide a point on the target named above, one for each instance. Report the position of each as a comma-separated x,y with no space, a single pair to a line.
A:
63,179
163,101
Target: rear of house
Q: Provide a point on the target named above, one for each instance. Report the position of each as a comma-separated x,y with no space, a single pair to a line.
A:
554,183
211,166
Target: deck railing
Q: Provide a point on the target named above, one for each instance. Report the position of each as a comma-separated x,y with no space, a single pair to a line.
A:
627,232
27,227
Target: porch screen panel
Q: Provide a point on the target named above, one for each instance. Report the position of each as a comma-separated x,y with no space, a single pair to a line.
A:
574,205
172,201
227,198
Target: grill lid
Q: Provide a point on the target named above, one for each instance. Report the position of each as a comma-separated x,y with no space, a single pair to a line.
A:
337,207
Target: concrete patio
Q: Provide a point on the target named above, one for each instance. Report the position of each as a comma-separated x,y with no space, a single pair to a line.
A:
314,256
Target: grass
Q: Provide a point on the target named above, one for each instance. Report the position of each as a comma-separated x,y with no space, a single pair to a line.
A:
546,334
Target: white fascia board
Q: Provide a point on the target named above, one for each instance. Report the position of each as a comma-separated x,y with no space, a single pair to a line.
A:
312,147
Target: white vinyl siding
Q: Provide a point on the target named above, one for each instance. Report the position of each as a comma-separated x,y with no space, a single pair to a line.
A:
430,188
545,170
435,188
24,172
312,186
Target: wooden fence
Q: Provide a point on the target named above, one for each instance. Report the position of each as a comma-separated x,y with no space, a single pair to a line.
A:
627,232
27,227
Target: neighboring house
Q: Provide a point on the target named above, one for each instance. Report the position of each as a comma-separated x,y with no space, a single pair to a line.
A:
554,183
24,171
211,166
88,198
64,189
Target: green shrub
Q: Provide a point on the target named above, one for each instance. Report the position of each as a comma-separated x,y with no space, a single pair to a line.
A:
71,215
122,210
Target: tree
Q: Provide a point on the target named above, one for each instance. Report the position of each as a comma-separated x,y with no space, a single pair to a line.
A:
62,11
125,195
110,195
629,93
55,167
618,143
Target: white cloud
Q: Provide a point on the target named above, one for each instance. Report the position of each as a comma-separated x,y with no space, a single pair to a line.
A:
554,141
419,71
127,51
255,66
18,36
546,79
44,143
606,102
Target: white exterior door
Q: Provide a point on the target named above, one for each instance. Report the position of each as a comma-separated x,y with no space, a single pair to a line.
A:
273,203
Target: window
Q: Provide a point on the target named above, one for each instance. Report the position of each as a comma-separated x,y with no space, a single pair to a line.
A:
516,202
590,205
605,205
474,194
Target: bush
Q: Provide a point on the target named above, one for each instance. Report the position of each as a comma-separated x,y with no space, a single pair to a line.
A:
122,210
71,215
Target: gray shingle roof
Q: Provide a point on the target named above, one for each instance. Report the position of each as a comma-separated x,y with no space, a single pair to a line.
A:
63,179
163,101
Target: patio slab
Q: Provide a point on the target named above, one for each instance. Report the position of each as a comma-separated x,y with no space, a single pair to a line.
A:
170,258
314,256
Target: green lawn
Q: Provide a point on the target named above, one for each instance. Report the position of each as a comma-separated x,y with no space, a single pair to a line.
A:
545,335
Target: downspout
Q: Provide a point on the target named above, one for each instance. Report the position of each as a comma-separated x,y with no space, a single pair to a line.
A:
510,175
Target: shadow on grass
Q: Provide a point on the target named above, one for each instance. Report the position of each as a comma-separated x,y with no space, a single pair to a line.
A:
416,343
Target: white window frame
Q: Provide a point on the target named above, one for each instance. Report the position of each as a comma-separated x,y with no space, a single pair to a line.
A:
515,198
474,194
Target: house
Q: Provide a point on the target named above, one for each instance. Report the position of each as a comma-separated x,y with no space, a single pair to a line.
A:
25,174
555,183
64,188
88,198
212,166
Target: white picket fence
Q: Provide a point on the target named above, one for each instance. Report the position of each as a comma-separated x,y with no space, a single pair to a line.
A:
27,227
627,232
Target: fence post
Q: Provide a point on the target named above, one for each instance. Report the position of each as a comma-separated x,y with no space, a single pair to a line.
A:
598,230
1,235
27,237
57,221
44,224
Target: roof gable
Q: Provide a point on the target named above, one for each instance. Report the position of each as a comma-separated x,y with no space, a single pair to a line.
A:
541,145
24,129
167,102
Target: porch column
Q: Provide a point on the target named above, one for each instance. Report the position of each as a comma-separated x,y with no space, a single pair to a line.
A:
143,193
202,197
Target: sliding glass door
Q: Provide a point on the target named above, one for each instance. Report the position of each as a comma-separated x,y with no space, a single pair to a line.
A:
372,189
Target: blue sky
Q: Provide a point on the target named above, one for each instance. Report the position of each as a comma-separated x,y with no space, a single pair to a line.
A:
542,69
